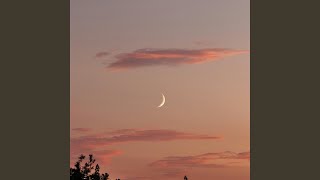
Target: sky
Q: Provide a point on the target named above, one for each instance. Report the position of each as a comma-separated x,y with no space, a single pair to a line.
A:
125,53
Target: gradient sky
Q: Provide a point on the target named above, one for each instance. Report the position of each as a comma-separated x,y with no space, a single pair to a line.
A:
125,53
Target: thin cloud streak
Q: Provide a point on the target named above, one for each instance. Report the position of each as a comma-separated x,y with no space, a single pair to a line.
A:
208,160
133,135
169,57
174,173
81,129
98,142
103,156
102,54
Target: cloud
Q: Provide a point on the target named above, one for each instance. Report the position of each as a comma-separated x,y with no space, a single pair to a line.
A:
102,156
102,54
105,156
81,129
201,43
208,160
173,173
134,135
169,57
98,142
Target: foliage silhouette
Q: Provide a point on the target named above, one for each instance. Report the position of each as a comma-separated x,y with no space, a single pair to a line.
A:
83,172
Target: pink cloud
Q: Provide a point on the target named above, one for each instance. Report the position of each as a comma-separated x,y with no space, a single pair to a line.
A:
133,135
102,156
169,57
105,156
98,142
208,160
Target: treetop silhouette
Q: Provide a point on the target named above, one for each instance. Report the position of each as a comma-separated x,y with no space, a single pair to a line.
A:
89,170
85,172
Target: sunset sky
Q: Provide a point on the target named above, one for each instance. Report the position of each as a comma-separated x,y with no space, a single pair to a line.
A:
125,54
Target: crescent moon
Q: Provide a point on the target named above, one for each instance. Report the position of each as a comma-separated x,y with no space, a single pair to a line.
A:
163,101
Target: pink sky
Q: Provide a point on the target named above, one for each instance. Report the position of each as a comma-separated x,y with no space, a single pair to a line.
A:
124,54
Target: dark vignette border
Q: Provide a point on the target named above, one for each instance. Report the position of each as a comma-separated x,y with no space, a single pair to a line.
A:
35,89
285,90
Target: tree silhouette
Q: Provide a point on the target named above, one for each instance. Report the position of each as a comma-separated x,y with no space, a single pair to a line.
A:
96,174
105,176
83,172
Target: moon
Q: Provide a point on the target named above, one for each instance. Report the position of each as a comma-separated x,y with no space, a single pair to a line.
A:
163,101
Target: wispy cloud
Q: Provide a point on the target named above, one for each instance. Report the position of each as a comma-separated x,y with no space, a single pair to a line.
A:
169,57
201,43
102,54
134,135
102,156
105,156
208,160
81,129
174,173
97,143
